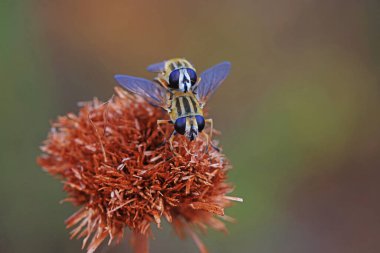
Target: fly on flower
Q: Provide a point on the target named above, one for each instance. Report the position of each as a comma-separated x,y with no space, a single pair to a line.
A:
179,91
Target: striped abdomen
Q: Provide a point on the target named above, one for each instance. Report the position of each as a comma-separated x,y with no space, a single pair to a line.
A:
184,106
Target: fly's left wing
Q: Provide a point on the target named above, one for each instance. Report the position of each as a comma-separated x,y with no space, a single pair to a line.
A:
211,79
156,67
150,91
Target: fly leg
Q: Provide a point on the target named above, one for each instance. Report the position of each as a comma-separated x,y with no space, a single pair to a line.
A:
172,135
161,122
209,140
171,141
211,122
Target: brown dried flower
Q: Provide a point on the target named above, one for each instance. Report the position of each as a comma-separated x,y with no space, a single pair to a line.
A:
113,165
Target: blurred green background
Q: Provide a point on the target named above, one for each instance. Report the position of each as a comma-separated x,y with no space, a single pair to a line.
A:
299,113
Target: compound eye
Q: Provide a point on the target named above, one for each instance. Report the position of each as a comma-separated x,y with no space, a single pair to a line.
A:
180,125
200,122
174,79
193,76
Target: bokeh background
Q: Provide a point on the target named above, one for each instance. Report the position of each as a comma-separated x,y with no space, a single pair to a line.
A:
299,113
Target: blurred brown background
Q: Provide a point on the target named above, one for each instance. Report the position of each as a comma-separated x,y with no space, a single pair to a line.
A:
299,112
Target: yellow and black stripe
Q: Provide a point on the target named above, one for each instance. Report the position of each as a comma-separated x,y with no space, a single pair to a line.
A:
184,106
177,63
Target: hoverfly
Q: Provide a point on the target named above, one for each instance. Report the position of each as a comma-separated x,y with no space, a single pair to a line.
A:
179,91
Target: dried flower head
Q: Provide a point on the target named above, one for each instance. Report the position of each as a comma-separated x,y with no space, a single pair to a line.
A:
114,165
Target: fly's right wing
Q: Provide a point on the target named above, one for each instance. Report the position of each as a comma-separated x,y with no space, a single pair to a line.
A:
150,91
211,79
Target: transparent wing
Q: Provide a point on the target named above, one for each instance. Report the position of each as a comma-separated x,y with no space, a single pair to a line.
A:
156,67
210,81
149,90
